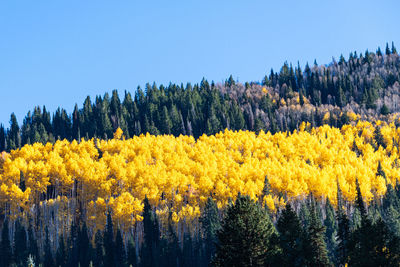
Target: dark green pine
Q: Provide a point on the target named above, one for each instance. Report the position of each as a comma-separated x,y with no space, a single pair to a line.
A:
5,251
20,244
316,251
150,252
210,225
343,232
48,260
109,243
291,238
246,237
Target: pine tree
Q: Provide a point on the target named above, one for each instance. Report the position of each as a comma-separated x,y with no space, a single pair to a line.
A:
108,243
20,245
61,254
210,225
13,135
387,50
99,250
73,247
84,246
188,258
33,249
331,229
394,51
291,237
169,248
372,244
48,255
317,254
5,249
392,219
343,233
165,121
150,249
119,249
131,257
304,215
246,237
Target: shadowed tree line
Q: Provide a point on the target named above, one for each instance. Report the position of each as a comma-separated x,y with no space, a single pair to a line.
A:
309,232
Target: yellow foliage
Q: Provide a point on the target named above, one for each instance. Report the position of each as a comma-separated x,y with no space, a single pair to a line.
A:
118,133
178,174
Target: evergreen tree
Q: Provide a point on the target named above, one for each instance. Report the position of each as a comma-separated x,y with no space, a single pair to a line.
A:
150,249
61,254
387,50
48,255
246,237
343,233
392,220
13,135
372,244
316,252
99,250
131,257
360,202
119,249
5,250
385,110
20,244
84,246
73,246
291,237
304,215
108,243
394,51
210,225
331,229
33,249
169,248
166,123
188,258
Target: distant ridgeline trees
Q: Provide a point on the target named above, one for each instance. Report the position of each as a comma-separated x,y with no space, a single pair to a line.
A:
365,84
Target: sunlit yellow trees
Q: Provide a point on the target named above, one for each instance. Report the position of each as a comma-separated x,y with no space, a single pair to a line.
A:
178,174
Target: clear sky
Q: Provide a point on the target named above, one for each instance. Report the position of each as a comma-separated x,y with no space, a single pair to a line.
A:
55,53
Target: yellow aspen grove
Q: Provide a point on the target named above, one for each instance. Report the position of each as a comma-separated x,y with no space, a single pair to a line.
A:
177,174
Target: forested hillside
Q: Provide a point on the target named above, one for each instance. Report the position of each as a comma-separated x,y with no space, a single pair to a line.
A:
301,169
365,84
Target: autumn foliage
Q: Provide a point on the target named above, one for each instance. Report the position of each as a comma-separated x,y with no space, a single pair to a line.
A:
178,174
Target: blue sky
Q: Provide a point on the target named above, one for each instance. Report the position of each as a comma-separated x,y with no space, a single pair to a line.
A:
55,53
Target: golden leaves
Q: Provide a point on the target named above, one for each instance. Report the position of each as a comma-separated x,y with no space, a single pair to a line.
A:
177,174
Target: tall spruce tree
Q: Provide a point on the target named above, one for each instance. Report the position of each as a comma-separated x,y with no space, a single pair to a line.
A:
246,237
5,249
99,250
150,252
210,225
48,260
119,250
131,253
109,243
372,244
20,244
61,253
33,249
343,233
316,251
331,227
291,237
84,246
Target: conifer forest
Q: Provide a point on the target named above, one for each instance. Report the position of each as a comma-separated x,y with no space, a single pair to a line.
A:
301,168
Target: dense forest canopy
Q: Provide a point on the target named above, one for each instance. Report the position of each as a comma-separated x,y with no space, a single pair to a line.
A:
300,169
365,84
